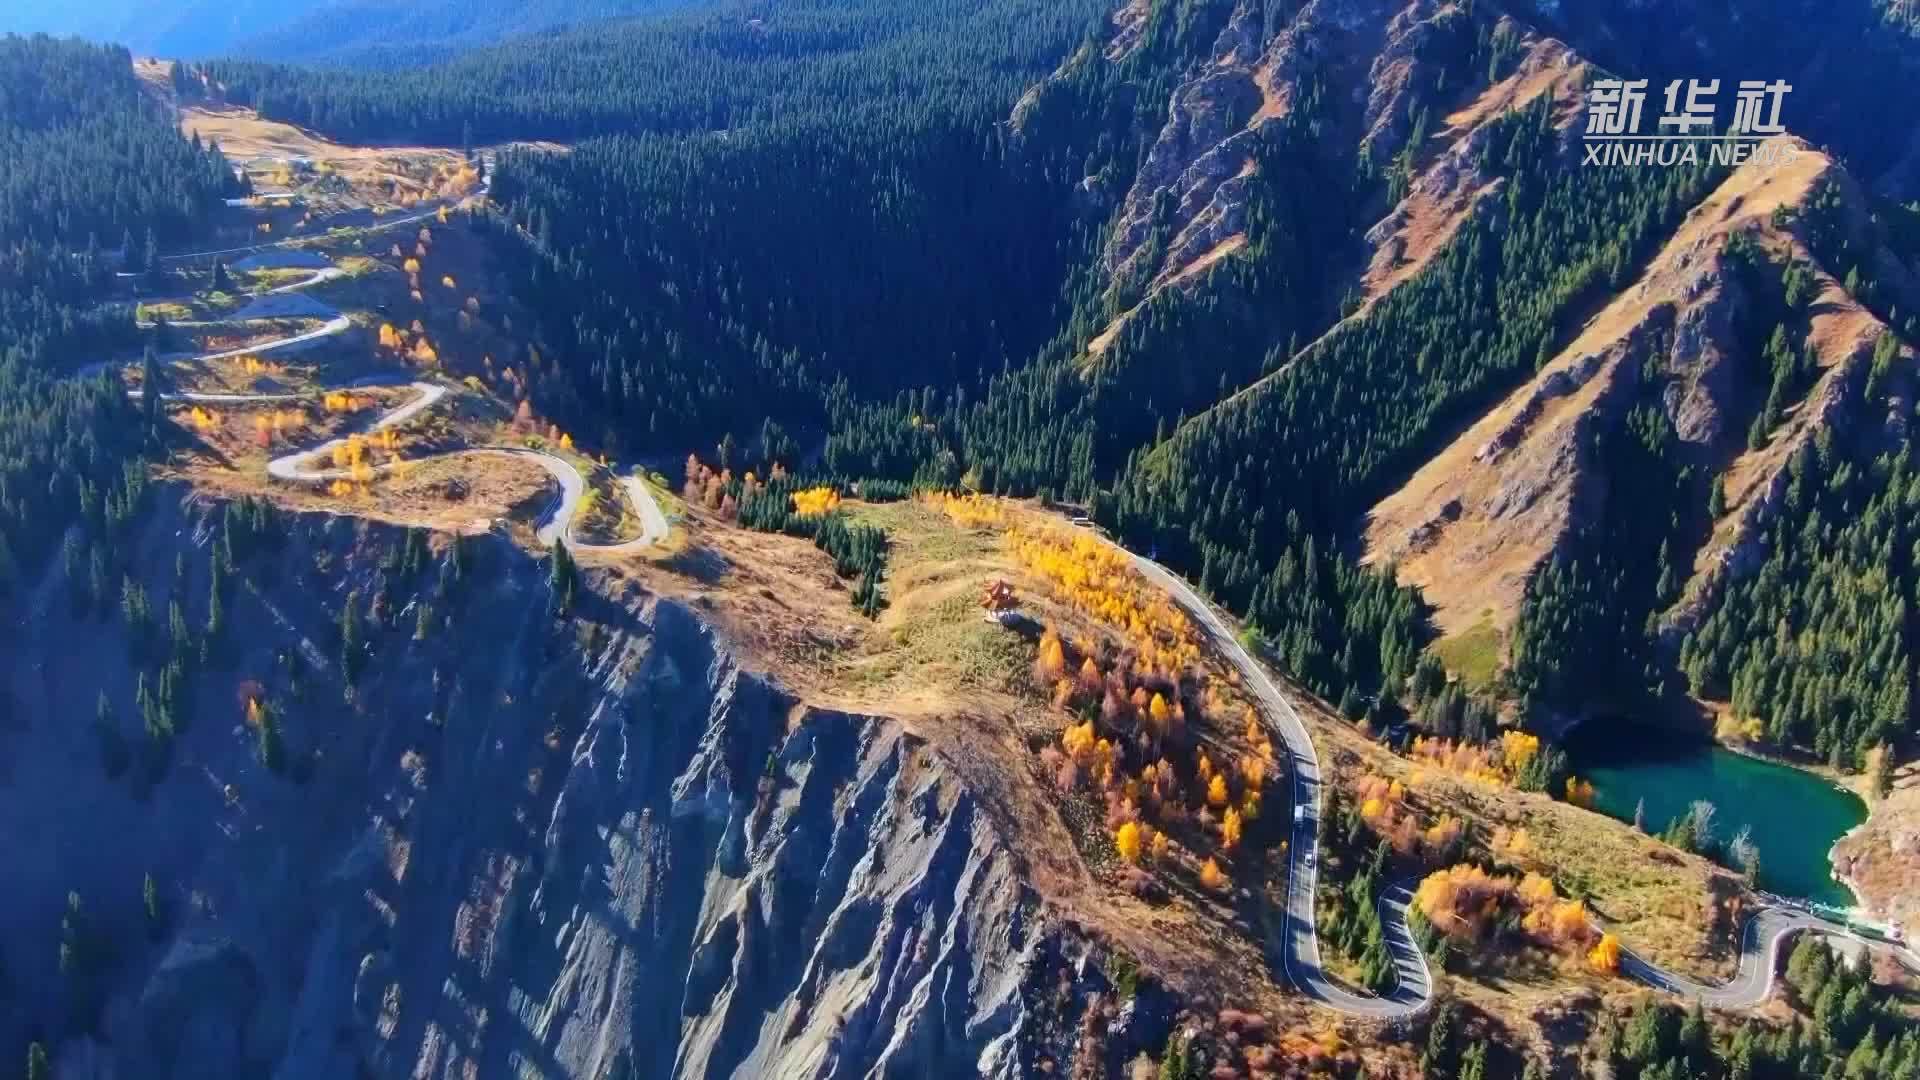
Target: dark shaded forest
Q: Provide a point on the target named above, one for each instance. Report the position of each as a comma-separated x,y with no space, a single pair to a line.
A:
89,166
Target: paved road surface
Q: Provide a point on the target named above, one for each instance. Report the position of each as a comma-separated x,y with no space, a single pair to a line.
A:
339,324
1765,936
1299,948
380,225
556,525
1299,944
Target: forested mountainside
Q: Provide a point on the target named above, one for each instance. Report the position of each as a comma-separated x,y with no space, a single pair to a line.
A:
89,166
366,33
708,71
356,32
1841,59
1311,302
1231,275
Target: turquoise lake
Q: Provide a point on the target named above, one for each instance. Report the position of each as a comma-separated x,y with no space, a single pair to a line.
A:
1795,816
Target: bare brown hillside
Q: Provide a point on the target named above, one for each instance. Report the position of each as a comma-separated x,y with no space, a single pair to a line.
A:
1473,523
1448,182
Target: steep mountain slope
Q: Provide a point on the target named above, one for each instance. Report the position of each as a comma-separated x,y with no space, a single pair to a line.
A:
312,31
1479,517
617,854
1188,206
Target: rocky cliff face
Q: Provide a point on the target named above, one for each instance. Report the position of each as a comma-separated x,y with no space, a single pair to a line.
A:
525,848
1879,859
1187,206
721,884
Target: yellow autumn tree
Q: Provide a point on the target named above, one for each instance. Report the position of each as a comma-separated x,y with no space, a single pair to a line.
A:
1604,957
1157,709
1441,836
1511,845
1459,900
1079,740
1052,660
1580,792
1128,841
1254,771
1517,748
1217,791
1230,829
1211,877
1160,847
815,501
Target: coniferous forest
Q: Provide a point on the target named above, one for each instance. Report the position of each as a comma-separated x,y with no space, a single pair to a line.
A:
1216,278
93,176
879,229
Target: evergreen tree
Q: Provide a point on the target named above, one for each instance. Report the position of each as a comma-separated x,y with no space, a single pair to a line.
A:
151,904
150,388
353,652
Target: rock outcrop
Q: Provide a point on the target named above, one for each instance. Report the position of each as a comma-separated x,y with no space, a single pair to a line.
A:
519,853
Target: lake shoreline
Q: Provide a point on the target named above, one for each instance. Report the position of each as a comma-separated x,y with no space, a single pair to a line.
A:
1797,826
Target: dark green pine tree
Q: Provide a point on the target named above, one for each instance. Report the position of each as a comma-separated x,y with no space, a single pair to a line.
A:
216,601
1473,1063
150,389
563,578
150,261
273,751
353,653
151,904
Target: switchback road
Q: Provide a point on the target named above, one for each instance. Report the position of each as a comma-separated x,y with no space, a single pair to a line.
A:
1299,948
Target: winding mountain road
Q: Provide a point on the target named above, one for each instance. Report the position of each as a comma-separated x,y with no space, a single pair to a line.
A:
557,524
1765,935
379,225
1297,943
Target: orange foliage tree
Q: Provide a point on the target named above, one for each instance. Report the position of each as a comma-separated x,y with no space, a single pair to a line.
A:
1604,957
1211,876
